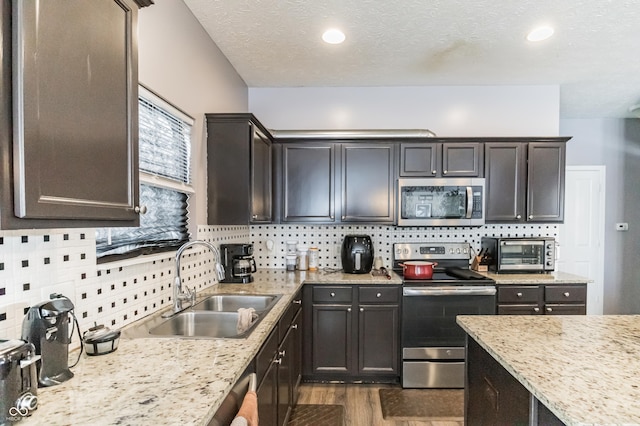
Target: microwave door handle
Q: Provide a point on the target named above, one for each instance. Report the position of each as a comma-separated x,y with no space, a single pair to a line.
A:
469,202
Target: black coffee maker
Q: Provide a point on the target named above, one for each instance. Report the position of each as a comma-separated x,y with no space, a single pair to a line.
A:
46,326
238,263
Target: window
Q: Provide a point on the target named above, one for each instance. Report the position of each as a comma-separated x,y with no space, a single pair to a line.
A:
165,183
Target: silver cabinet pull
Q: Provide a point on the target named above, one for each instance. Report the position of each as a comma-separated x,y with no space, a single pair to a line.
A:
348,309
277,361
518,216
297,302
530,216
332,294
379,295
519,294
566,294
536,309
282,353
549,310
140,209
294,326
433,172
361,309
444,172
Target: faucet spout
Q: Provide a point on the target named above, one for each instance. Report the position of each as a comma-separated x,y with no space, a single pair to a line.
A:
178,294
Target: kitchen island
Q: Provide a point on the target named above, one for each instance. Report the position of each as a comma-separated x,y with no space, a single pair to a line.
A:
160,380
577,370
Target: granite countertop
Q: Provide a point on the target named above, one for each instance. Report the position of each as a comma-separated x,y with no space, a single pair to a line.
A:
585,369
555,277
172,380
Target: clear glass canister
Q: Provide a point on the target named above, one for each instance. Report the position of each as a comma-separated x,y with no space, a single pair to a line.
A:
313,259
303,257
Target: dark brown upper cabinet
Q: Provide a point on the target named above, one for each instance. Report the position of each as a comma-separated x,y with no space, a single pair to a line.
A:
368,182
308,182
239,170
332,182
69,133
441,159
525,180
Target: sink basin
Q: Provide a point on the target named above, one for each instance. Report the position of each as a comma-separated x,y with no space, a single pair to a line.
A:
233,302
202,324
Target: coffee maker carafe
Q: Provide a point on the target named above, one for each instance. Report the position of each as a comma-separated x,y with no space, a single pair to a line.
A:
46,326
238,263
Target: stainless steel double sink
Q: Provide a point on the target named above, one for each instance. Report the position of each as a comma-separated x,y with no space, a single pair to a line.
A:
216,316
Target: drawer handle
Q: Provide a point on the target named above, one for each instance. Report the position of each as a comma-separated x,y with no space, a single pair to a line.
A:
282,353
294,326
519,294
433,172
332,294
361,309
379,295
518,216
536,309
348,309
549,310
277,361
566,294
297,302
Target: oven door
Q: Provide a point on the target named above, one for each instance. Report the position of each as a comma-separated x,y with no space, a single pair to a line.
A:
433,343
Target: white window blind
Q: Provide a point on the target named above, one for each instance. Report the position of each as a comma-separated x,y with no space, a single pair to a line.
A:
165,183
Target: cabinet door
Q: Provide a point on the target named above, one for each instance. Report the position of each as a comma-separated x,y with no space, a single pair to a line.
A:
285,379
378,337
296,356
267,394
75,112
419,159
505,175
261,181
545,182
368,183
332,343
308,182
462,159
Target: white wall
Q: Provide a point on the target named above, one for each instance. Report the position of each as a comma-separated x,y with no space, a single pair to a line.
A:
445,110
614,143
179,61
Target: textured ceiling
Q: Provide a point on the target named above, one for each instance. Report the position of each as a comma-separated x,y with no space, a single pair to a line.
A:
594,55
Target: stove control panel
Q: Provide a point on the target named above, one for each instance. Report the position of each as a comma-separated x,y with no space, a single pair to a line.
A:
418,251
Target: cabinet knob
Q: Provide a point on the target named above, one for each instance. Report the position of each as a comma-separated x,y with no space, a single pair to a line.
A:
348,309
444,172
378,294
566,294
332,217
361,309
282,353
344,217
140,209
294,326
297,302
530,216
277,361
536,309
518,216
549,310
332,294
519,294
433,172
255,216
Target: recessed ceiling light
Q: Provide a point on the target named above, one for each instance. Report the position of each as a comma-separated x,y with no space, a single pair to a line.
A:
540,33
333,36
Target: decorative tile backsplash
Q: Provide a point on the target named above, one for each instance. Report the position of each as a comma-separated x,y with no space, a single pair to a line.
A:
328,238
35,264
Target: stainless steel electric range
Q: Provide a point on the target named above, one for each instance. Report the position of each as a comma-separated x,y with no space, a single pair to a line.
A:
433,345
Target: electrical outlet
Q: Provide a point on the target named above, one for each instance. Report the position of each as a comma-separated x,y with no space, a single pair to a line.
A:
622,226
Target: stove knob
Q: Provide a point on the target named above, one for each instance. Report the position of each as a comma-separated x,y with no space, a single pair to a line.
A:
450,251
457,251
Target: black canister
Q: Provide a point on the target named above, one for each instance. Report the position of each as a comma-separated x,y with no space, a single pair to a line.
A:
357,254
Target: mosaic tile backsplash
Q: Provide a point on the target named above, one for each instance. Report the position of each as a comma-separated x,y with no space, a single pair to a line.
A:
35,264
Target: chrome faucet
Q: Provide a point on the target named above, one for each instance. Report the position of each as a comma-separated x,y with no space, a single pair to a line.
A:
190,295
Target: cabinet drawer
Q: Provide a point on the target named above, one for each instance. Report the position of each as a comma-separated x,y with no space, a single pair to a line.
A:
565,293
519,310
378,294
332,294
560,309
518,294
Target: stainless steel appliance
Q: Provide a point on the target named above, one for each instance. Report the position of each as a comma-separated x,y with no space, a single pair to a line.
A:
441,202
46,326
523,255
238,263
357,254
18,380
433,345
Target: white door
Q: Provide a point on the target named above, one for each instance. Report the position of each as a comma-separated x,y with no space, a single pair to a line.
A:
581,237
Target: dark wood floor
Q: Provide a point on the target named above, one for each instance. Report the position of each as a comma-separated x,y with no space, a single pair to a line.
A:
361,402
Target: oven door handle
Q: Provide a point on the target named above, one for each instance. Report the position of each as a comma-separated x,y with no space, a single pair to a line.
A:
449,291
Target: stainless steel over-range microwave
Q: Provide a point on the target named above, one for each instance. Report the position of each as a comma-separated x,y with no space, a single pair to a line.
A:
441,202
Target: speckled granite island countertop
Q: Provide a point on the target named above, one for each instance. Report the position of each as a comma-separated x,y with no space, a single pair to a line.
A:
585,369
162,381
555,277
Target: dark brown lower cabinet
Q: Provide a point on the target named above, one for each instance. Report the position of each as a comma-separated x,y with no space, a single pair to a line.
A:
494,397
351,333
279,368
547,299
